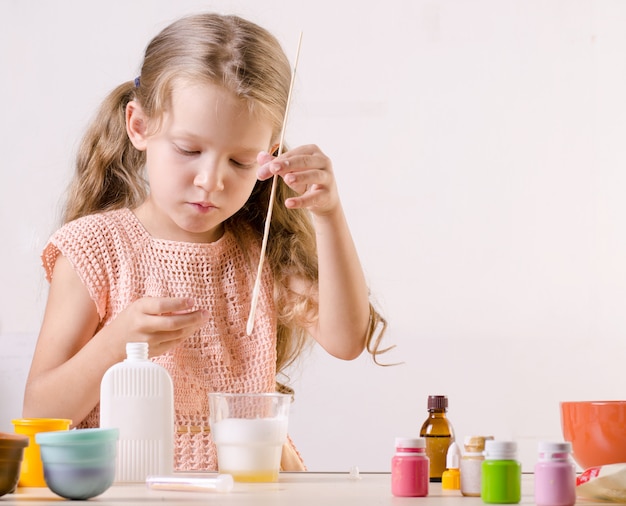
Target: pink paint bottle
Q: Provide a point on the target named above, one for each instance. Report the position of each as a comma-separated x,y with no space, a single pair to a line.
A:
555,475
410,468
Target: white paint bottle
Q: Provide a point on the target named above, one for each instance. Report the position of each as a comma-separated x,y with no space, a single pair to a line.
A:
471,465
137,397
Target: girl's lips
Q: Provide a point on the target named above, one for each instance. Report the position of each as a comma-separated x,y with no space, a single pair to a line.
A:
203,207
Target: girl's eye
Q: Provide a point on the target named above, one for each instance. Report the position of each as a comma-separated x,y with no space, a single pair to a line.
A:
242,165
186,152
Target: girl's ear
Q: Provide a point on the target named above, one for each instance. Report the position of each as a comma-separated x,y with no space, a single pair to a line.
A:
136,125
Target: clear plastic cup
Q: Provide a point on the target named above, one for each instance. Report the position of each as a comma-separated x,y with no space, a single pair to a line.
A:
31,473
249,431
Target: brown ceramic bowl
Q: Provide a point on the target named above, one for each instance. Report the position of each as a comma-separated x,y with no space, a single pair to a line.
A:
11,453
597,431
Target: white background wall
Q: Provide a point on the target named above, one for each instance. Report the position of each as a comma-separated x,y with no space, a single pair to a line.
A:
480,149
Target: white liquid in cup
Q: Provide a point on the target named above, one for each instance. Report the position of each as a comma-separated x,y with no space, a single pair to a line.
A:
250,449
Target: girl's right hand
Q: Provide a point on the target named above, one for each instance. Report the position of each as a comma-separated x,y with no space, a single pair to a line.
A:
162,322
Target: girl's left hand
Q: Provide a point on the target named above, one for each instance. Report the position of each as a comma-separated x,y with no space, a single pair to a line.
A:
307,171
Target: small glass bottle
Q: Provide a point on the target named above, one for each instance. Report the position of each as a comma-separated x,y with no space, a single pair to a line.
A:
555,475
501,480
471,465
438,432
409,468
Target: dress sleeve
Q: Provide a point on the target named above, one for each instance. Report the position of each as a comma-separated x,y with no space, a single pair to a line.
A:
83,246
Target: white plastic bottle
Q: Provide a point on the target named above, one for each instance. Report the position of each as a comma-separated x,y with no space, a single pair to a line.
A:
471,465
137,397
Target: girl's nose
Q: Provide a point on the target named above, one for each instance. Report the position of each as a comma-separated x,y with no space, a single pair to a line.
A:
210,177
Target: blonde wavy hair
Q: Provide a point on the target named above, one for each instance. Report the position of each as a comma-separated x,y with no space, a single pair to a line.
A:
247,60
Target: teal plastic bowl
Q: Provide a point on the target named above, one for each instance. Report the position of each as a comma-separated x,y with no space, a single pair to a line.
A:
79,463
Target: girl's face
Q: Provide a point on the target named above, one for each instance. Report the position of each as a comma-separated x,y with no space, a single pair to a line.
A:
201,162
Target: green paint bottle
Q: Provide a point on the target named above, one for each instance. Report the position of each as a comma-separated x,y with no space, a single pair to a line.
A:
501,481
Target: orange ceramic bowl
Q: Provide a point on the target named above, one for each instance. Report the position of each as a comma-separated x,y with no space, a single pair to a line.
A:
597,431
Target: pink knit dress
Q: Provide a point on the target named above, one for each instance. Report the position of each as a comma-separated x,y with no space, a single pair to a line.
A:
119,262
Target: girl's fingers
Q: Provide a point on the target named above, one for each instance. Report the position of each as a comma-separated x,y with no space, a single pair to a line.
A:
311,198
166,331
174,322
264,159
303,158
308,172
169,314
308,180
166,305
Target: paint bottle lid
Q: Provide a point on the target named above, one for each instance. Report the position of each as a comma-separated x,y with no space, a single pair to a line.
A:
554,451
500,450
410,442
474,444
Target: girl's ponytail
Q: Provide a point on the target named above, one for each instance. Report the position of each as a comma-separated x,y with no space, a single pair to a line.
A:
109,169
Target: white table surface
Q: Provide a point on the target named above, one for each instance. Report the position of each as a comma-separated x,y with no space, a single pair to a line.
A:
298,489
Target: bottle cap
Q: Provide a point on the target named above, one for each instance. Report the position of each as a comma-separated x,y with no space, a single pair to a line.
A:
410,442
453,457
500,450
437,402
474,444
549,450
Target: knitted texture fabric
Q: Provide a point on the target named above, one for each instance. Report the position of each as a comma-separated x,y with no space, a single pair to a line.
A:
119,262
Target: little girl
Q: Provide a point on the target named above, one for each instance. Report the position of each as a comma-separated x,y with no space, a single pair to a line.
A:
163,227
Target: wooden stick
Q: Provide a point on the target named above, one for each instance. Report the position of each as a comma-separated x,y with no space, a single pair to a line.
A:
268,219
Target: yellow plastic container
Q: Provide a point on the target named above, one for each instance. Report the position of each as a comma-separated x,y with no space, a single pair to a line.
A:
31,474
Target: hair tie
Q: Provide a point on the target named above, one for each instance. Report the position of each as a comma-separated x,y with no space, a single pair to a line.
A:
137,82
